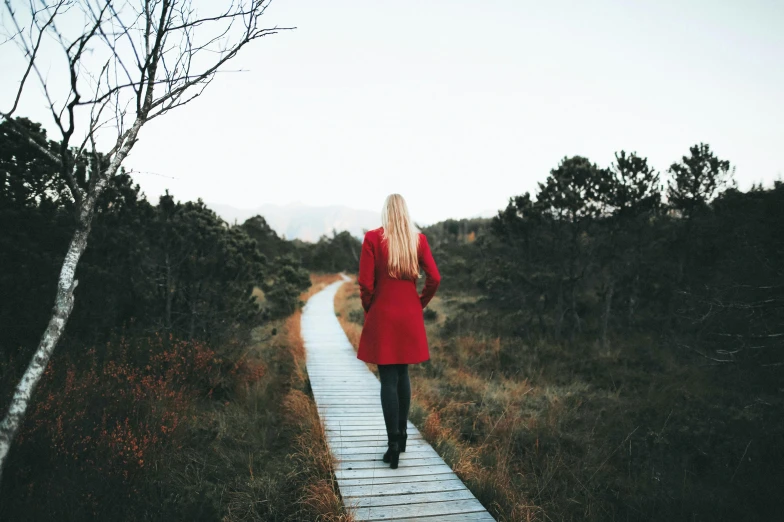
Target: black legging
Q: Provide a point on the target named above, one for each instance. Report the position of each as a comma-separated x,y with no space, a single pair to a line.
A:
395,397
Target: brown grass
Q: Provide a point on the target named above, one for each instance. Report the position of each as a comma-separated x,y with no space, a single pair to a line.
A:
348,305
320,497
318,282
185,430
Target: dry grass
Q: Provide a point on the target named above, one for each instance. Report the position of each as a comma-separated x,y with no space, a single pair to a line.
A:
249,446
268,458
541,430
318,282
348,308
258,293
473,423
320,497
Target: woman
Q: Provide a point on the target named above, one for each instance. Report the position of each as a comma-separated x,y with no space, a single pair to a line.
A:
394,332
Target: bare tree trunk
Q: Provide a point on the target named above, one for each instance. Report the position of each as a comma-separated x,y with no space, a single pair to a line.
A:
559,311
633,298
573,277
63,304
112,88
607,307
577,320
539,307
64,298
169,293
195,292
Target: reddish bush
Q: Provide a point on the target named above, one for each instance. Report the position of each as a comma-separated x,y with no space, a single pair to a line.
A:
114,416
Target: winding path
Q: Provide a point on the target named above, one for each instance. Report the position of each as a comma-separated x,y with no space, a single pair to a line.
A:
423,487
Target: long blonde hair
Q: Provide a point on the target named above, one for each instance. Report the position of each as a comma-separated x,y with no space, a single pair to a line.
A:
402,238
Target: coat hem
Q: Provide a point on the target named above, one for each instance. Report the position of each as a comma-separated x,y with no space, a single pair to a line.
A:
396,362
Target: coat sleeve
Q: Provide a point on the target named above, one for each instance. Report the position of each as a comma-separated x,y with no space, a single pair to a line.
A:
367,273
432,277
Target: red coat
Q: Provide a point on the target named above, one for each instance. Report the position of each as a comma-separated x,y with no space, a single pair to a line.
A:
394,330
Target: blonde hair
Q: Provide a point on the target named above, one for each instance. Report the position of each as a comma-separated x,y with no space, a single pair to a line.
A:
402,238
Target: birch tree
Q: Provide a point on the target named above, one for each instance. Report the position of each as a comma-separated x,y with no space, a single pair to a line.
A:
123,64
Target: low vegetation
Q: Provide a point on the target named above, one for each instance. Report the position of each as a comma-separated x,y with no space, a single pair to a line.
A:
178,390
538,432
598,354
157,428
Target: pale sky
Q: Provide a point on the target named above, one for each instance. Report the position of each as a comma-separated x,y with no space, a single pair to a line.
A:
460,105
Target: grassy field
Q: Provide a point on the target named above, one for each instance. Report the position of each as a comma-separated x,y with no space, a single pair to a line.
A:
275,446
226,433
546,431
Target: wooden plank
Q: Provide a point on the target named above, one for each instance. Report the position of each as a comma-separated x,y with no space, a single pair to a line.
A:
353,426
430,509
379,434
375,395
352,449
401,489
336,391
320,383
389,472
342,376
347,451
342,413
363,431
375,462
351,417
464,517
342,409
346,439
365,390
358,440
351,398
316,387
412,498
347,398
395,480
369,420
347,401
338,412
405,458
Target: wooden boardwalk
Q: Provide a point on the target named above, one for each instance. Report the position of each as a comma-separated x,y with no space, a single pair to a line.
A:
423,487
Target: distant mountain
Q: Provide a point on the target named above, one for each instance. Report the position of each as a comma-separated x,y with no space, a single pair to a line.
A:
490,213
308,223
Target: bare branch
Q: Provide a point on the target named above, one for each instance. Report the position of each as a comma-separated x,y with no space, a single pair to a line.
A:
167,72
31,54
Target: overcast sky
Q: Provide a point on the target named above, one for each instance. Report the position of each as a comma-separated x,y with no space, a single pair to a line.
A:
459,105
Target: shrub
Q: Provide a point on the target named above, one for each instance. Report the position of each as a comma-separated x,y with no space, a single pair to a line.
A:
106,423
357,316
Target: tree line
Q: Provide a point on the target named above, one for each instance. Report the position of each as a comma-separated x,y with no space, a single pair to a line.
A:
166,289
644,313
173,267
601,251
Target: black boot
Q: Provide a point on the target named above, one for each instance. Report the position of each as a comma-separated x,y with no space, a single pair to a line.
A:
393,453
402,441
